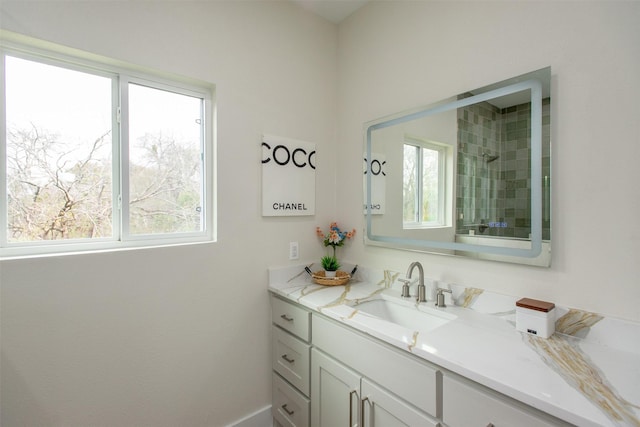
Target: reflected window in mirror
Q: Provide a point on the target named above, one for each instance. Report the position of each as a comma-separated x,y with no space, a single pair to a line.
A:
423,183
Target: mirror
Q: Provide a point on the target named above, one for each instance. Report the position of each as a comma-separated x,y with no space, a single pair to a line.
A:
467,176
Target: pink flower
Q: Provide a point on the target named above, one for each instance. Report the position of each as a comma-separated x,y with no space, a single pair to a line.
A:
335,237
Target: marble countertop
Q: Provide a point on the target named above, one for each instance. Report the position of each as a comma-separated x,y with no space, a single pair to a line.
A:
587,373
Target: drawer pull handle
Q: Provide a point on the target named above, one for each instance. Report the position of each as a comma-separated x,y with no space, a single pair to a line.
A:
490,425
284,407
362,402
351,408
285,357
287,318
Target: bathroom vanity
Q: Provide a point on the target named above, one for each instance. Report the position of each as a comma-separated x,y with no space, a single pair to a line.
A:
337,361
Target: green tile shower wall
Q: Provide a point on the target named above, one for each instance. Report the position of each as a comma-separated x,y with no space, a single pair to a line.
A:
499,191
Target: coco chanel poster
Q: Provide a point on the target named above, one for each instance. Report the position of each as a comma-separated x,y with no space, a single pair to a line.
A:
288,177
377,170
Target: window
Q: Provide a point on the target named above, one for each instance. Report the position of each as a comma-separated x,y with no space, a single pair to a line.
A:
101,157
423,183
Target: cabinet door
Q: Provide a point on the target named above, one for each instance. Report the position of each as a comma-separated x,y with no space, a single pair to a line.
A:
334,392
382,409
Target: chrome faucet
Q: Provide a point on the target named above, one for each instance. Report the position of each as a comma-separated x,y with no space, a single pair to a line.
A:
421,297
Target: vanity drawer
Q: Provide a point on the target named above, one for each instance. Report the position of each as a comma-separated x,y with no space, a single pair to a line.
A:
291,359
469,404
291,318
290,407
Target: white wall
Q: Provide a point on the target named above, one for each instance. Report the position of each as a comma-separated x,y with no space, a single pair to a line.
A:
179,336
174,336
399,55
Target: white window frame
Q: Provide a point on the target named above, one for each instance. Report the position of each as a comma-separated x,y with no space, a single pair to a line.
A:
442,151
122,74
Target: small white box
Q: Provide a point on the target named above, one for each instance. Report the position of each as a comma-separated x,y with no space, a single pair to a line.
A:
536,317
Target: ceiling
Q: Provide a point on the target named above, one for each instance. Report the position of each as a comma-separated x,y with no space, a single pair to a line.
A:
332,10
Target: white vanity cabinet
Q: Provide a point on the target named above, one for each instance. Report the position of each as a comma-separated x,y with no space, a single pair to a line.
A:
290,334
328,374
346,370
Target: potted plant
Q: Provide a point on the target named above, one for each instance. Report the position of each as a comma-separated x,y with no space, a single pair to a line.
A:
334,238
330,265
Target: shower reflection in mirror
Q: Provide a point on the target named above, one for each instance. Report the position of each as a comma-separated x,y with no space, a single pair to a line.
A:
494,180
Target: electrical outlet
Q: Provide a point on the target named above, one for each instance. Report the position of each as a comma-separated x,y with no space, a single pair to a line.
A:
293,250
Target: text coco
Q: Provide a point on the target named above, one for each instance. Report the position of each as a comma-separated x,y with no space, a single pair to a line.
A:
283,155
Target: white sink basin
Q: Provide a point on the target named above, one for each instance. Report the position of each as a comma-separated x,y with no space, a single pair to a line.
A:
406,315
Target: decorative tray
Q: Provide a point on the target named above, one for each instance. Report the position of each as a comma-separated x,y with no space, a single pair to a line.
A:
342,278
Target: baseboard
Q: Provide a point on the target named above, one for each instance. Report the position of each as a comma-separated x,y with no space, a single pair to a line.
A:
260,418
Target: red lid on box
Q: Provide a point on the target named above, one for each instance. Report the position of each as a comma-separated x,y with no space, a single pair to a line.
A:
534,304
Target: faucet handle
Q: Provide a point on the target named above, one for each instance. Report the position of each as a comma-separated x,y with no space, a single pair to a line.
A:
422,294
440,297
405,287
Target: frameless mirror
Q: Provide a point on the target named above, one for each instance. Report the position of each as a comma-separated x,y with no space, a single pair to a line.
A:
467,176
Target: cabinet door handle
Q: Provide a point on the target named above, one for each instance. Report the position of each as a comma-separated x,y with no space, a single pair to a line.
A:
351,407
285,357
287,409
287,318
362,402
